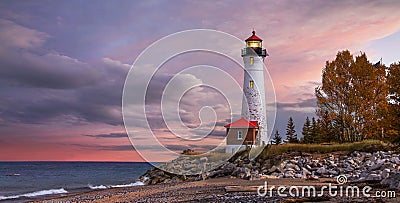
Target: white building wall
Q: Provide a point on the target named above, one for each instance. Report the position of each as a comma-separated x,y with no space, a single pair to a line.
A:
253,104
231,149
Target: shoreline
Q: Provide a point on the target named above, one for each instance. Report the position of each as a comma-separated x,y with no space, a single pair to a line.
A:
216,190
239,180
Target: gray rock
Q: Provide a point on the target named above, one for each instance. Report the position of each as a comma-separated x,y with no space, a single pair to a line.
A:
385,173
333,172
247,173
393,180
305,171
377,166
374,158
349,169
255,175
322,170
292,166
297,175
275,174
273,169
289,174
204,159
374,177
396,160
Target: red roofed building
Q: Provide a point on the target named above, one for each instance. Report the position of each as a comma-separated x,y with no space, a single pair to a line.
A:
253,37
240,134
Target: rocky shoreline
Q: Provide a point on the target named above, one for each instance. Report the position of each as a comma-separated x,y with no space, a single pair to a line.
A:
238,179
357,167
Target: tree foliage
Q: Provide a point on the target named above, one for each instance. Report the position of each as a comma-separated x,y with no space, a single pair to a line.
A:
277,138
306,131
311,131
291,132
392,120
352,100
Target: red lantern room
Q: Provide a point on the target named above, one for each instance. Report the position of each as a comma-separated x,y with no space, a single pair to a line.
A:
255,43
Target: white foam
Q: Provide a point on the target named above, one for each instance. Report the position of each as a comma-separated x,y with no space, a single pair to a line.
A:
128,185
37,193
96,187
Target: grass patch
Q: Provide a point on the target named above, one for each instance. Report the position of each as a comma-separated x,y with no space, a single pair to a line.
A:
365,146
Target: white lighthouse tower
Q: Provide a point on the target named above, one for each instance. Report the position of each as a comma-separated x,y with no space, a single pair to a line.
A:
251,129
253,104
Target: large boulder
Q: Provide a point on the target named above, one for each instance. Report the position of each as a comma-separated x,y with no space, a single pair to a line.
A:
392,181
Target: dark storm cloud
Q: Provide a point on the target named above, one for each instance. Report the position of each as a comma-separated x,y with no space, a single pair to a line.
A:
312,102
40,105
117,148
24,63
40,87
47,71
109,135
106,147
218,133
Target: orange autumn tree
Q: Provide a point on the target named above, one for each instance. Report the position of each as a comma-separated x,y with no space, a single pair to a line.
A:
352,98
392,120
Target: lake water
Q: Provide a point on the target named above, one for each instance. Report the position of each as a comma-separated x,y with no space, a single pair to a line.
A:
30,180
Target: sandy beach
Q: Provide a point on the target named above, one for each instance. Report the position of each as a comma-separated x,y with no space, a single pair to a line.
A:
212,190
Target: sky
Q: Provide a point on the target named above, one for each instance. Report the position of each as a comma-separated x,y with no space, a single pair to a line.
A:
63,65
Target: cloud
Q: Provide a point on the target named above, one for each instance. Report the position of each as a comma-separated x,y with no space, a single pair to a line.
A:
304,105
41,86
33,100
13,35
106,147
25,63
60,67
117,148
109,135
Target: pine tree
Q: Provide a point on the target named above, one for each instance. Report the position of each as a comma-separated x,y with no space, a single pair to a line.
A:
277,138
307,131
315,132
327,132
291,132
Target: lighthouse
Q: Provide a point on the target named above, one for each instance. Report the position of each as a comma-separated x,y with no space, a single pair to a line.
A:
253,104
251,129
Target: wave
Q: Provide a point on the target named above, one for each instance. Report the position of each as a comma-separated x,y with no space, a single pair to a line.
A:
35,194
97,187
13,174
128,185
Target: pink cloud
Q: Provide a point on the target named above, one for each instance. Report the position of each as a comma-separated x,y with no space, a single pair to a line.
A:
16,36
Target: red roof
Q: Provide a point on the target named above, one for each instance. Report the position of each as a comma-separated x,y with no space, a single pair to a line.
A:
243,123
253,37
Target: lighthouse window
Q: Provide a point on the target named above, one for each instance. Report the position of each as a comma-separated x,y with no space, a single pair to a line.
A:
251,84
240,135
251,60
253,44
